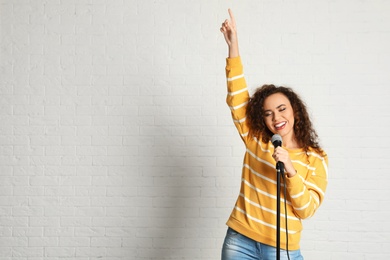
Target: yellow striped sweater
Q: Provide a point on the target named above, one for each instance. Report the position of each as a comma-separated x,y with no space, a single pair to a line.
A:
254,214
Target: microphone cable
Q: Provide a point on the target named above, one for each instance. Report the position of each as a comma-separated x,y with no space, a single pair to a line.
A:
285,213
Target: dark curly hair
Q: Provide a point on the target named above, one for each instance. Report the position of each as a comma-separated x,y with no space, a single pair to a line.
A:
303,128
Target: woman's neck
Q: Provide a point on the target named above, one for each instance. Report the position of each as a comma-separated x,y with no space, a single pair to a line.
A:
290,142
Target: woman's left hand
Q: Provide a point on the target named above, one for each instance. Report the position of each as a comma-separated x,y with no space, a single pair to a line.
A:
281,155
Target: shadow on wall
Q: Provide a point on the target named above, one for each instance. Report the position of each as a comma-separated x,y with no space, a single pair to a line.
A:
169,191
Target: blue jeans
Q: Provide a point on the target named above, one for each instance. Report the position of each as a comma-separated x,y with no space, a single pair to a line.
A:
239,247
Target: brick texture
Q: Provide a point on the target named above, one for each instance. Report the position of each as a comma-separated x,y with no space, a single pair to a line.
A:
116,142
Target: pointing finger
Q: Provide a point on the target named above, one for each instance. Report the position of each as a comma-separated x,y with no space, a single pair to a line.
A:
231,16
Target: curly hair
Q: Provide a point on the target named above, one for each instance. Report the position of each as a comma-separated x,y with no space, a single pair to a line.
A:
303,128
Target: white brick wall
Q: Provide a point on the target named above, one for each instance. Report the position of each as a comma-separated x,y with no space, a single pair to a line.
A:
116,142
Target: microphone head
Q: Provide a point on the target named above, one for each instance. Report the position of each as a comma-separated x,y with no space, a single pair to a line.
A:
276,140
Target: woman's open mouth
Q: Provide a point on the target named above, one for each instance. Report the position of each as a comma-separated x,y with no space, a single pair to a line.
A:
280,126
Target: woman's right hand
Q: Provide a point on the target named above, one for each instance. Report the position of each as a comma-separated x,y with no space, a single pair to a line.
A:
229,31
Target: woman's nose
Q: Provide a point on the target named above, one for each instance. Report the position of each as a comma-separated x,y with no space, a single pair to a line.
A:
275,116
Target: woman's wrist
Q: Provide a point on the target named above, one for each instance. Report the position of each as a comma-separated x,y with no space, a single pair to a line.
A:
233,49
233,52
291,174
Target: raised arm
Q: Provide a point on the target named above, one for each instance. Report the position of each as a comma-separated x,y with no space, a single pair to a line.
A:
229,31
237,96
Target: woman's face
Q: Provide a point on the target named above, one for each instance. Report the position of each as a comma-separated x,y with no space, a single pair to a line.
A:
278,115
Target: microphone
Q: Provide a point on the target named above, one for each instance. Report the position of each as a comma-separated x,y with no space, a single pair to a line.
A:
277,141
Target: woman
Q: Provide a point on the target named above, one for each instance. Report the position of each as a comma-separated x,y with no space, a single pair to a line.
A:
271,110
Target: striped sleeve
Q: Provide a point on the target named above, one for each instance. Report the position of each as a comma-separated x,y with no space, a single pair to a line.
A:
308,194
237,96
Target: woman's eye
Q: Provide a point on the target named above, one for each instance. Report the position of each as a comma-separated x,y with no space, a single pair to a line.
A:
267,114
282,109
